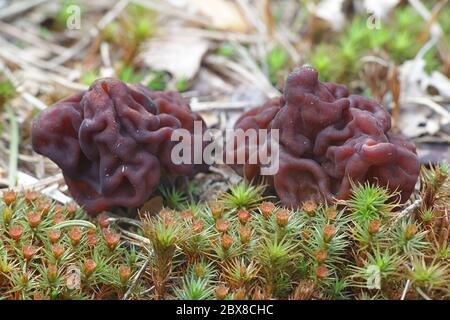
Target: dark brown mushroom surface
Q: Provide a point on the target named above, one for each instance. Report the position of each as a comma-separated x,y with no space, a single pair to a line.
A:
113,141
327,140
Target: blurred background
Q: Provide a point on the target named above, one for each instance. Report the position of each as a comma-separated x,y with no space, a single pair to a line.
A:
224,56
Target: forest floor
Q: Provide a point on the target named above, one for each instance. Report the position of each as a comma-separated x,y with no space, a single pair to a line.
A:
224,57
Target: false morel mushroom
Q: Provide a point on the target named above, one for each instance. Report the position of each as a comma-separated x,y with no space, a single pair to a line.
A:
113,141
328,140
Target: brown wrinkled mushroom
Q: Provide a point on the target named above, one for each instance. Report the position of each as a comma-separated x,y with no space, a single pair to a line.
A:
328,139
113,141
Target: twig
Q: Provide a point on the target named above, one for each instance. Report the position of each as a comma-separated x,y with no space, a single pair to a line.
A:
226,105
41,184
136,279
49,77
408,282
13,149
405,290
427,46
104,52
13,53
26,181
30,38
413,206
227,173
280,36
146,291
421,9
262,78
169,10
375,59
75,49
435,30
264,30
430,103
36,73
20,89
443,234
419,291
141,240
133,222
211,34
226,68
254,19
243,74
86,40
19,7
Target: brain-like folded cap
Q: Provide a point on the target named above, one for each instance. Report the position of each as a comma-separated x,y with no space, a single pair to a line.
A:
329,139
112,142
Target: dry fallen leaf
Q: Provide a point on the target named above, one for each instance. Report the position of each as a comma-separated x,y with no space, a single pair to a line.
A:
179,55
224,14
418,121
415,86
152,206
439,82
415,81
331,11
25,180
380,8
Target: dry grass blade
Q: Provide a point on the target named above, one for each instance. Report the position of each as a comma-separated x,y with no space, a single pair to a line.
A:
19,7
13,148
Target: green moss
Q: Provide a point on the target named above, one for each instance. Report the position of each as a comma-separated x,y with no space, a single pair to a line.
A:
277,60
90,77
130,30
237,247
158,80
173,198
337,251
65,13
323,62
128,74
7,92
444,21
226,50
37,254
183,84
398,38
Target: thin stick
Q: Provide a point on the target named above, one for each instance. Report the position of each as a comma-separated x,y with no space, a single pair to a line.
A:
251,63
20,89
405,290
250,14
226,105
13,149
413,206
19,7
408,282
419,291
86,40
211,34
118,219
136,279
133,236
244,74
30,38
12,52
35,73
430,103
146,291
169,10
41,184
